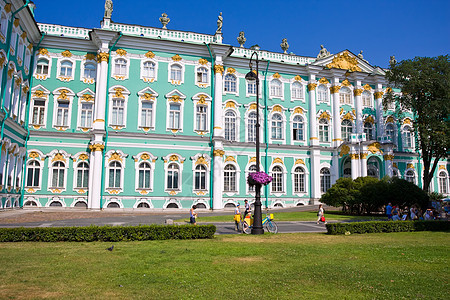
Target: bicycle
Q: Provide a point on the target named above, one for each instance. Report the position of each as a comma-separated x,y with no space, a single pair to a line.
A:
268,223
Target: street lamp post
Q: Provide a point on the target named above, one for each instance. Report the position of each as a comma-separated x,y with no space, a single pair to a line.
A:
257,217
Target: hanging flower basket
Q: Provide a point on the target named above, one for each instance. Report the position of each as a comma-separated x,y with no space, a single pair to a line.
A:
258,178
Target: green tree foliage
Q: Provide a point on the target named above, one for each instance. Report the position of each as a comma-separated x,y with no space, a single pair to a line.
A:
425,86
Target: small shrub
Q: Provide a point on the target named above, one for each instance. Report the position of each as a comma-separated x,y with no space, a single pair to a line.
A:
387,226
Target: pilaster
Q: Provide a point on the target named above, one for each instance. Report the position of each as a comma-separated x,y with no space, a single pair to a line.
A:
218,88
95,174
313,139
218,175
315,174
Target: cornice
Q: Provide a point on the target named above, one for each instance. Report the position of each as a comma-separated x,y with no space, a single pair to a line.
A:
76,44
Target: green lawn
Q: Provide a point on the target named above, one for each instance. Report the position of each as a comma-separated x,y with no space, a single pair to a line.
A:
292,216
283,266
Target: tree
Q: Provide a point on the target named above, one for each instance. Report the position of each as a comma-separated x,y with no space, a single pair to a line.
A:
425,87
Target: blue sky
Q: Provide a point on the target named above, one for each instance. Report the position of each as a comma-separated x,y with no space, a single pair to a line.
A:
380,28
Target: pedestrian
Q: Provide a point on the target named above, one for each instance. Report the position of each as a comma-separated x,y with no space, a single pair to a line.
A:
413,213
320,216
396,216
389,211
237,216
247,207
193,215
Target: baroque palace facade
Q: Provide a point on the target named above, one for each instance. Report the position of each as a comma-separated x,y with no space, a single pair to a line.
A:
139,117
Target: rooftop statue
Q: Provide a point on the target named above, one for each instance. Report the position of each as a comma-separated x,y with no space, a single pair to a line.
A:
241,39
323,53
392,61
284,45
360,55
219,23
108,9
164,20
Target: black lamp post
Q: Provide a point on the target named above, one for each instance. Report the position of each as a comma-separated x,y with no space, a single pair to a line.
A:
257,217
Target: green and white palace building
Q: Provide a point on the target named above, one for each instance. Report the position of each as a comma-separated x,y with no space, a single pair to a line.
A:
127,116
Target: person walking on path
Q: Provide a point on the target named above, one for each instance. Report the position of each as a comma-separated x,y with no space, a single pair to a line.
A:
247,207
389,211
320,216
193,215
237,216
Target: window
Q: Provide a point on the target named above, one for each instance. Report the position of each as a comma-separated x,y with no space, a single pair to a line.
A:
373,169
407,137
299,180
230,126
251,87
277,179
277,127
146,114
344,96
174,116
390,132
115,173
86,115
252,169
368,130
443,183
410,176
366,99
325,180
200,177
230,83
323,131
144,176
346,129
297,127
148,69
297,91
42,67
175,72
33,174
275,88
38,112
66,69
173,172
62,113
322,93
201,117
229,178
251,126
118,111
202,75
120,67
82,175
58,170
90,71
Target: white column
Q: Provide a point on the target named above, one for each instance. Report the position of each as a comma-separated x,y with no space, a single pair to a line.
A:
354,157
313,139
95,175
315,175
337,140
378,95
218,90
363,160
358,108
388,161
218,176
101,92
335,167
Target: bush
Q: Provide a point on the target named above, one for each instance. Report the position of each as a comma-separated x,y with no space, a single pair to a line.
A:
107,233
387,226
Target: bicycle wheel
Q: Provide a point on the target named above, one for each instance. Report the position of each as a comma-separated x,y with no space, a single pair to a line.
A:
245,228
271,227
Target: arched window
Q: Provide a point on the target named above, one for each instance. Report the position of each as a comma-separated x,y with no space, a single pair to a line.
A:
347,168
229,83
345,96
175,72
346,129
410,176
297,91
202,75
42,67
66,69
173,172
443,183
144,175
82,175
297,127
299,180
390,132
33,174
251,126
200,177
366,99
325,179
407,137
174,116
229,184
118,112
322,93
120,67
275,88
323,131
277,179
90,71
373,169
230,126
368,130
148,69
115,173
62,113
147,114
58,170
277,127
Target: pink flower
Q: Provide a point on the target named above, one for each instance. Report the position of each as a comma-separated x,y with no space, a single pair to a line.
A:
258,178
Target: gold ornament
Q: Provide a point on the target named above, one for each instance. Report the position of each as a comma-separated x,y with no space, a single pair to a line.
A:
121,52
103,56
149,54
176,57
345,62
335,89
357,92
66,53
378,95
323,80
312,86
276,75
218,69
346,82
218,153
325,115
344,150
